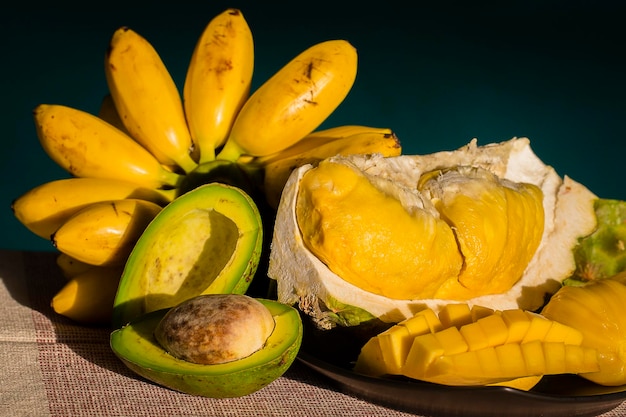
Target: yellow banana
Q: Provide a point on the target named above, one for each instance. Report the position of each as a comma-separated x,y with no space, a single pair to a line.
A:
218,80
104,233
277,171
46,207
294,101
87,298
322,137
147,99
87,146
109,114
71,267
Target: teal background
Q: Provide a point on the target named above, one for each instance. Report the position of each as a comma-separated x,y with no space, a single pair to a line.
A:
438,74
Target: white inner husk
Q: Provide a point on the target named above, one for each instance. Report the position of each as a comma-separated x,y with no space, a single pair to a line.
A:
304,280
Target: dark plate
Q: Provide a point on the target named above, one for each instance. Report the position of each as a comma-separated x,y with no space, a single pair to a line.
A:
561,395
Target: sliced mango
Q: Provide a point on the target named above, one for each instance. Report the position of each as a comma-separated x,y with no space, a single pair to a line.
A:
477,346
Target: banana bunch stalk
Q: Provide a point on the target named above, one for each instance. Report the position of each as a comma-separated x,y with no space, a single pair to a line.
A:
149,143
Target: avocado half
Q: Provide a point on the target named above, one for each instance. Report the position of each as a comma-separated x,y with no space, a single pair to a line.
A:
138,349
207,241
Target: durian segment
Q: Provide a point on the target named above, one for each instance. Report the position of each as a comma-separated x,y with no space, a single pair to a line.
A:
361,232
498,225
305,280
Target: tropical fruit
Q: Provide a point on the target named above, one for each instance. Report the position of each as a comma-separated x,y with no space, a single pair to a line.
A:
372,237
596,309
136,346
207,241
465,345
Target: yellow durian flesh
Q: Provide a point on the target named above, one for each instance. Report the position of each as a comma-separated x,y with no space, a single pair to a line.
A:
354,228
498,225
303,279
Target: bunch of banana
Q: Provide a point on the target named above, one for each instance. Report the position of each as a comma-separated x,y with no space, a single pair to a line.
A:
149,143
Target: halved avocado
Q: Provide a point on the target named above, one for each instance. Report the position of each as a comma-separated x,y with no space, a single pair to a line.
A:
137,347
207,241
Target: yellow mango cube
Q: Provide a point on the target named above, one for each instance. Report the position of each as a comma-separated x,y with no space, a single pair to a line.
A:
591,359
538,328
559,332
424,350
455,314
422,323
517,322
511,360
489,362
532,353
479,312
495,329
554,353
474,336
451,340
395,344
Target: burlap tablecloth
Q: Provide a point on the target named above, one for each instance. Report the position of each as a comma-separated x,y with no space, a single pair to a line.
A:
52,367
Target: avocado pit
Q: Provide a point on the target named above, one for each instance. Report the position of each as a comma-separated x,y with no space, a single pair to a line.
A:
215,328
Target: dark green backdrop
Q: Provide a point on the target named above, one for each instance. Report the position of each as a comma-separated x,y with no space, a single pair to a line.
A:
438,73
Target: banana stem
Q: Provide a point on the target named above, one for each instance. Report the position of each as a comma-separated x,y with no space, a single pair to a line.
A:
230,152
206,155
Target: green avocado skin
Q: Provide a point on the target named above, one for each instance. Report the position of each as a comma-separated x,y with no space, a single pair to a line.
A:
137,348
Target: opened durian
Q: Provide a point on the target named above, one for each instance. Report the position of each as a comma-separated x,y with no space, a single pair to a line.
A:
362,237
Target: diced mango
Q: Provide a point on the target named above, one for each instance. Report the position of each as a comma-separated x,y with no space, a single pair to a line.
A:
424,350
477,346
517,321
461,369
421,323
479,312
495,329
559,332
474,336
455,314
395,344
370,360
532,353
538,328
451,340
489,361
511,360
591,360
554,353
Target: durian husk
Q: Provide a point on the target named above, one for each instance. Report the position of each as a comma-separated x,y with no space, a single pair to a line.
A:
303,280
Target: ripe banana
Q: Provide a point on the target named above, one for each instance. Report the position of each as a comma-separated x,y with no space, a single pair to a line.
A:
109,114
294,101
147,99
71,267
46,207
218,81
87,146
104,233
322,137
277,171
88,297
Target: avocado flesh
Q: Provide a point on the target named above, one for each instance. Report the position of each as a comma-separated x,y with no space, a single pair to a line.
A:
207,241
136,346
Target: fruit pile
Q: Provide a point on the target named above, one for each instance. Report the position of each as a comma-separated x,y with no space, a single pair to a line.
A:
161,227
149,144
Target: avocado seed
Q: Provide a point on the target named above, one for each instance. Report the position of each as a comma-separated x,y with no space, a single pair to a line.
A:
215,328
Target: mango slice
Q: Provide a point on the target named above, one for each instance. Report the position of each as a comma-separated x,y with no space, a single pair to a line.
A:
510,347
